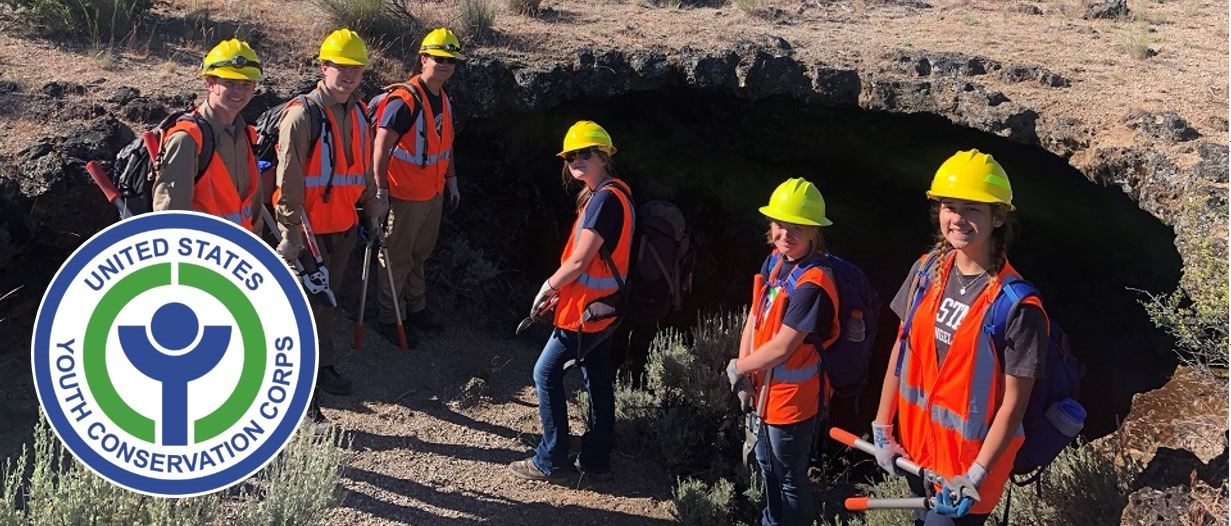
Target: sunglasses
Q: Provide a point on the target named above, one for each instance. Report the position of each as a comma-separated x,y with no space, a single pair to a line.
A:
237,62
443,60
583,154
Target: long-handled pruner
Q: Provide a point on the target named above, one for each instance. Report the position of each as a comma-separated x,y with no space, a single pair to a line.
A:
868,503
316,282
363,296
109,190
321,273
393,293
535,316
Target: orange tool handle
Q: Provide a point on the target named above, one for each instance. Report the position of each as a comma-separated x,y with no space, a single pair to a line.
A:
866,503
151,144
358,335
856,504
104,183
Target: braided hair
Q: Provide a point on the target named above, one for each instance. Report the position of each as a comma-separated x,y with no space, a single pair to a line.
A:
1003,237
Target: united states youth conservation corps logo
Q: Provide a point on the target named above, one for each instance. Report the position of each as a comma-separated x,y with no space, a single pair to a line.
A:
174,354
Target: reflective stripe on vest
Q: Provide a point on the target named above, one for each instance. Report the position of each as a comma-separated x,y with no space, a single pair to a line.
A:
215,192
421,156
336,213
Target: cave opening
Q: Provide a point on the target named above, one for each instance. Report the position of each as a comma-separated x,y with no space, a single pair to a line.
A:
1088,248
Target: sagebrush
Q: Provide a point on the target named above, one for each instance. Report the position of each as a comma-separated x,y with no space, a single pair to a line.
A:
383,23
697,504
46,485
98,23
477,18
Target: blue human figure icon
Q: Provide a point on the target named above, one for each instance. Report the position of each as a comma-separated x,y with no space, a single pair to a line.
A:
174,327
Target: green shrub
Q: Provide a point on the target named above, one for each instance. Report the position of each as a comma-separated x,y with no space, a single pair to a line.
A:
301,483
60,491
1196,312
699,505
99,23
381,23
477,19
525,7
1136,43
1084,485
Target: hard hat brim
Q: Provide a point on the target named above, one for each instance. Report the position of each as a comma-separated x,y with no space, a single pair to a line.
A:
611,150
978,197
442,53
234,74
791,218
342,61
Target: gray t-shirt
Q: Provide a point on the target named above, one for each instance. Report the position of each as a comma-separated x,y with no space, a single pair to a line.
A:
1025,337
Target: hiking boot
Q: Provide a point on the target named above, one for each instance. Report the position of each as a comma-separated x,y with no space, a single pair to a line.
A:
425,320
330,381
598,475
390,332
525,470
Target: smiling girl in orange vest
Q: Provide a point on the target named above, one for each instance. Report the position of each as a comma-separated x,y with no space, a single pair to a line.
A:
794,316
960,401
593,269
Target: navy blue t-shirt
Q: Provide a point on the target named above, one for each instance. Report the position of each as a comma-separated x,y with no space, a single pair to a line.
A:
605,216
810,309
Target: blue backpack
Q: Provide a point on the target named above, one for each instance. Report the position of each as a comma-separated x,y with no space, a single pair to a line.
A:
845,361
1053,416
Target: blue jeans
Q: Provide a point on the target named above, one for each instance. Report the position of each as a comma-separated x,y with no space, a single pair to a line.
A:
782,451
551,457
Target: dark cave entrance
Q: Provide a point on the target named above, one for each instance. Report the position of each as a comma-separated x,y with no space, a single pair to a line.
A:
719,158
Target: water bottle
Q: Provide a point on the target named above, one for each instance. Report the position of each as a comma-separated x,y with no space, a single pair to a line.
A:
855,330
1058,427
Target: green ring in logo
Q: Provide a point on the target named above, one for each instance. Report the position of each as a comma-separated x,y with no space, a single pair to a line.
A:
94,357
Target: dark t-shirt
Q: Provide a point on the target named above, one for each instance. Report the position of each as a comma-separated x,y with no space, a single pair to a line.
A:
1025,337
810,309
605,216
399,118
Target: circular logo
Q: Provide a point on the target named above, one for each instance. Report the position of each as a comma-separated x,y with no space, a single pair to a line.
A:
174,354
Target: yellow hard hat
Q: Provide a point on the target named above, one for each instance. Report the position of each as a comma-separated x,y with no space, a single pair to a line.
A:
797,201
974,176
344,48
232,59
585,134
441,42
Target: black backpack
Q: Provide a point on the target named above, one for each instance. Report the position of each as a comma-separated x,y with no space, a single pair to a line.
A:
267,128
661,262
133,173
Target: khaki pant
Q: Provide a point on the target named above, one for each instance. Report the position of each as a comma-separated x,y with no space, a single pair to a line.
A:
411,235
335,250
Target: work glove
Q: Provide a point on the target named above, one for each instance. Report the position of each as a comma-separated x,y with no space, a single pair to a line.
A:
289,248
376,227
379,206
960,493
452,195
736,378
887,449
543,298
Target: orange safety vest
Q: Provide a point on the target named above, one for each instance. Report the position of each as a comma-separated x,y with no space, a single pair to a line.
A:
332,185
597,280
794,385
946,410
214,193
421,156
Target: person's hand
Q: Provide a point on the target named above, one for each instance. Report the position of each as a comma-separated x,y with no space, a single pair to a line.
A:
887,449
376,227
747,402
736,378
380,205
289,248
543,298
960,493
452,195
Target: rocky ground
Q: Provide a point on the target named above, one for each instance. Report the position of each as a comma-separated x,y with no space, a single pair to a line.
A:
1137,100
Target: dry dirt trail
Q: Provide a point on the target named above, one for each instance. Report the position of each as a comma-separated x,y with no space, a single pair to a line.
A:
426,450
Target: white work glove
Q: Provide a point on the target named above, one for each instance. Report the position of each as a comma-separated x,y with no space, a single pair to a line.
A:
543,298
887,448
289,248
452,196
734,377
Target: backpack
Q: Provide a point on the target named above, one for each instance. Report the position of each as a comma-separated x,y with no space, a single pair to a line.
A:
133,174
661,262
267,129
1053,416
845,362
375,108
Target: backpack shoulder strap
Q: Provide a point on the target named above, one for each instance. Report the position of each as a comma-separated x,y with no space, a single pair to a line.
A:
206,153
1012,292
415,96
602,249
919,285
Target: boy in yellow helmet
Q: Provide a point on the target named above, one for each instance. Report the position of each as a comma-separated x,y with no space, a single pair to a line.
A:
413,160
323,173
225,182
